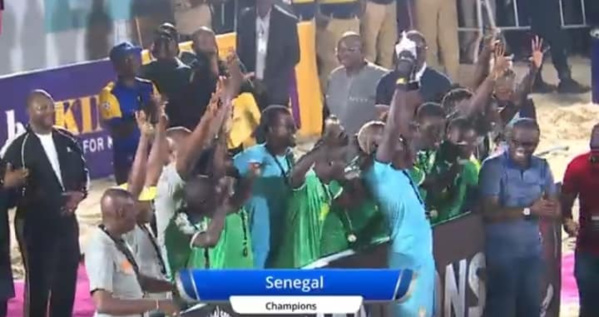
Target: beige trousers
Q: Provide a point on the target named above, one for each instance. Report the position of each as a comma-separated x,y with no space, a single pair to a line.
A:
438,22
193,19
379,32
326,45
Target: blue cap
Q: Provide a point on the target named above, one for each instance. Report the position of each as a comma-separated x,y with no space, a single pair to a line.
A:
123,50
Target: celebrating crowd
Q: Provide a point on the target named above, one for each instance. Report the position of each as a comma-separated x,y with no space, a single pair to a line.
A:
208,175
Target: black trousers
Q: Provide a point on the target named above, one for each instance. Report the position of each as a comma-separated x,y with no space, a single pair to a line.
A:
51,257
546,23
3,308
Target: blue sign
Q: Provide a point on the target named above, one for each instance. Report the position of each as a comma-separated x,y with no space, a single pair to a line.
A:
219,285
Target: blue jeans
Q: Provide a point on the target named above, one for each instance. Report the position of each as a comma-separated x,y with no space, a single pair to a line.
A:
586,271
514,286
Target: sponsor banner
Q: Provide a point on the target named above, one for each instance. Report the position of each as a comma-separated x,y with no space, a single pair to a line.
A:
75,89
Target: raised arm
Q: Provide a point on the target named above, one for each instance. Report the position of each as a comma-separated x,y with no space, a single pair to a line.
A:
156,157
199,138
479,101
536,60
481,70
403,108
137,175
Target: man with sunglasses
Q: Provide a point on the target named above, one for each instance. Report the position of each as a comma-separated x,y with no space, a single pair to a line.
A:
516,190
582,181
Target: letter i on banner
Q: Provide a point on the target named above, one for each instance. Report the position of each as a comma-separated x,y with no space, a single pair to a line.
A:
1,9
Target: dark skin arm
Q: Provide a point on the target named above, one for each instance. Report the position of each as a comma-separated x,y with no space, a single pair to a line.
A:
210,238
304,164
153,285
107,304
199,138
480,100
481,70
155,159
401,115
138,169
493,212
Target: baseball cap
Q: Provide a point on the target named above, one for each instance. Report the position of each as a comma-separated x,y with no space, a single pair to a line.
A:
123,50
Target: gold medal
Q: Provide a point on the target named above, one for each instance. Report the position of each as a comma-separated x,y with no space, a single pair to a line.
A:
352,238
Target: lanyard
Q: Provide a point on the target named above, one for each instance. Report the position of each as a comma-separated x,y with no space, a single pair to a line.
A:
156,248
284,173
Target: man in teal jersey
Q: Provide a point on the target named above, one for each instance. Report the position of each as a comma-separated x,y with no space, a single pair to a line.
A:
398,197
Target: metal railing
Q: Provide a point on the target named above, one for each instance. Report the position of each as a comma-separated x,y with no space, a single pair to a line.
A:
489,14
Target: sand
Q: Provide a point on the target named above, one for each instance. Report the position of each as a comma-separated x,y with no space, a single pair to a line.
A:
564,120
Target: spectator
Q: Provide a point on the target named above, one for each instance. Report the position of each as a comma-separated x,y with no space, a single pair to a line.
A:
582,181
10,179
169,74
119,101
190,15
469,39
517,190
115,281
333,19
547,24
433,84
46,224
438,21
268,45
379,31
351,90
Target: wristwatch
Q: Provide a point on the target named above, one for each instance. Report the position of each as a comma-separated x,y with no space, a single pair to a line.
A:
526,212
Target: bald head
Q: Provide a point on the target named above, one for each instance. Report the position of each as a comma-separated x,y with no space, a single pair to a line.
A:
38,96
114,199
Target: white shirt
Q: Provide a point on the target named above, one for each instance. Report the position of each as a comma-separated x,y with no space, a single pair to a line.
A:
419,73
146,256
262,30
168,200
108,269
50,150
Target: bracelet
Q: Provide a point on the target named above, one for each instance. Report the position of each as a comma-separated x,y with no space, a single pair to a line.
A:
193,238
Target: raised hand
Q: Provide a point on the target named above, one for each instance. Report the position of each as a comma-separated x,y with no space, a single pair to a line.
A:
502,62
537,52
14,177
144,126
490,41
334,133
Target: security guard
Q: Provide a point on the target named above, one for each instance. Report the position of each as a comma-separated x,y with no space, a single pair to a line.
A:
304,9
119,101
45,223
333,19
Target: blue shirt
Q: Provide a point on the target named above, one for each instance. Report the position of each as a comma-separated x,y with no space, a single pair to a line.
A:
118,104
399,200
515,188
270,195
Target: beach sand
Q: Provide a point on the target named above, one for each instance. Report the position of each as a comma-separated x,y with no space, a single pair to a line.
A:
564,121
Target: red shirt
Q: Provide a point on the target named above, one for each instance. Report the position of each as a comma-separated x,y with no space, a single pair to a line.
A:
582,179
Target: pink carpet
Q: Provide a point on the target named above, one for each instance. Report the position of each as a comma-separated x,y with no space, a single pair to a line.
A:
85,308
569,291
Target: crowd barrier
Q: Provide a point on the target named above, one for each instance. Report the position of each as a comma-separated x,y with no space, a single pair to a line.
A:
459,255
76,87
